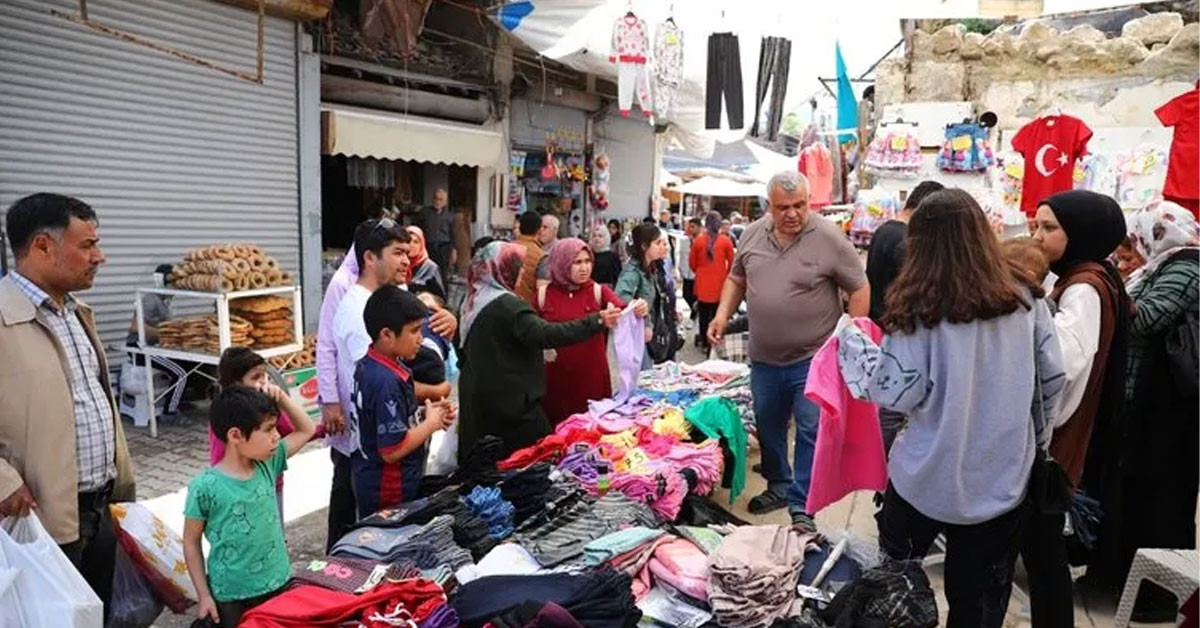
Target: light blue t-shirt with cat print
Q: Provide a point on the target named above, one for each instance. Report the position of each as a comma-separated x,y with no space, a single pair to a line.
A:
973,407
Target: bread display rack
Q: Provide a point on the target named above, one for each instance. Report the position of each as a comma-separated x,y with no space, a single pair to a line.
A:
225,334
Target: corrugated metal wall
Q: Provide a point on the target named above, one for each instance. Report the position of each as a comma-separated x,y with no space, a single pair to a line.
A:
170,154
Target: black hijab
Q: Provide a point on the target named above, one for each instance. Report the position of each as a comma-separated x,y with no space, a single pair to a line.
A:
1094,224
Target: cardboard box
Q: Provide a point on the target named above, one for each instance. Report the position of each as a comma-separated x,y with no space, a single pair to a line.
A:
301,385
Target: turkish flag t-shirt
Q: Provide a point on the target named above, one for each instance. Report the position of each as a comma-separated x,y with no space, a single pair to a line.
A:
1183,167
1050,146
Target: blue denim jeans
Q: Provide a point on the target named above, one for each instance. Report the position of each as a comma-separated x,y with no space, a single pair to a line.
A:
778,396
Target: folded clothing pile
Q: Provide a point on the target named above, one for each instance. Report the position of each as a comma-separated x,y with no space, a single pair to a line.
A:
351,575
390,604
556,539
470,532
489,505
599,599
526,491
429,546
228,268
271,316
477,468
752,575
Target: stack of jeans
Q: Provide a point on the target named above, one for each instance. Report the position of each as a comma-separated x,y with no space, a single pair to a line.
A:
429,546
599,599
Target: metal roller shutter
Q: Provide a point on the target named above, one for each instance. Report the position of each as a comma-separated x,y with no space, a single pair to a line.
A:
171,155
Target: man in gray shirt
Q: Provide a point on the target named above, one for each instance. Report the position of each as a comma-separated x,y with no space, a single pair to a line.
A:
791,269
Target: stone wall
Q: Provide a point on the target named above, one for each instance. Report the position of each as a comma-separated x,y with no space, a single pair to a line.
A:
1118,80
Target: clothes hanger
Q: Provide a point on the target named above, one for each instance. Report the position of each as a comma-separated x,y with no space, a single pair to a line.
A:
629,9
671,14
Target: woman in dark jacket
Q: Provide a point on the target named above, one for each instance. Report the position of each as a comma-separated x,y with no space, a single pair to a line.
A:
501,342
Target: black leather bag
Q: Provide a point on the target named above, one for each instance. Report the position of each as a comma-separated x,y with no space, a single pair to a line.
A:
1050,487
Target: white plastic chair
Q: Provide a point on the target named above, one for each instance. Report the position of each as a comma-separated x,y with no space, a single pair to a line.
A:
1172,569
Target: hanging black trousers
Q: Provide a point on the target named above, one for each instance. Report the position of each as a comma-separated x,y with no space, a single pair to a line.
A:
774,60
724,81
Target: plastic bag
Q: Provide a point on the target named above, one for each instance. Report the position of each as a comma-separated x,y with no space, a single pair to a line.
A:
157,551
443,452
133,604
51,591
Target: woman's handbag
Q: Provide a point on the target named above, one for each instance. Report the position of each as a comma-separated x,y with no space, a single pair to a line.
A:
1050,487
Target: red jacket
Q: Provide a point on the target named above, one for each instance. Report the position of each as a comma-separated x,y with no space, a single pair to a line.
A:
711,273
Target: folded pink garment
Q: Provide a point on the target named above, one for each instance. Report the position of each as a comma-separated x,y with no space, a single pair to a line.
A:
682,565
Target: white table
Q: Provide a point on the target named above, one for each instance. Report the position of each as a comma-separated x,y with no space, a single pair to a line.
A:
221,299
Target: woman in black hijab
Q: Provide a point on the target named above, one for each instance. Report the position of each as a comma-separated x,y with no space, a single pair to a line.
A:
1077,231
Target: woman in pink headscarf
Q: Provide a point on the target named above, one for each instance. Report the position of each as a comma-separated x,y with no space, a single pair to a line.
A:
502,342
579,372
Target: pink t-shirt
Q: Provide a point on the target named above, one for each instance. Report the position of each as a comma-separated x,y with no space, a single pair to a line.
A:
216,448
849,453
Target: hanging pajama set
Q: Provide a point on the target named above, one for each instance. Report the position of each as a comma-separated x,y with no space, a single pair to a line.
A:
668,67
631,52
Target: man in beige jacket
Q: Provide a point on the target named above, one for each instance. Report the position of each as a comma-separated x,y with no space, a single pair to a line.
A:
62,447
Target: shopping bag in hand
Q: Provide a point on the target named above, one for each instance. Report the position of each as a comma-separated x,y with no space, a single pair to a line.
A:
134,604
157,552
51,591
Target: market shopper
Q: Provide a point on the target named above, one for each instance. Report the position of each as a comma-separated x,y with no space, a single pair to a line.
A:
529,230
691,230
710,258
231,505
503,378
885,258
437,221
965,344
618,239
548,238
62,446
645,277
330,383
790,268
578,372
607,266
423,273
1150,485
1077,231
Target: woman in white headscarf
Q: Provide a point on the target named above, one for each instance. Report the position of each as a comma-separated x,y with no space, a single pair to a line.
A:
1155,478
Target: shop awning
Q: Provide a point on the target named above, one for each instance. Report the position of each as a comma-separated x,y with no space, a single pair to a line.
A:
357,132
716,186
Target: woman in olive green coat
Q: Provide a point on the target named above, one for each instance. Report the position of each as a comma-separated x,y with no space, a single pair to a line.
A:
501,343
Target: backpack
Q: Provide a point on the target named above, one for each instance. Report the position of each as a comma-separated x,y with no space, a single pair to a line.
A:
665,340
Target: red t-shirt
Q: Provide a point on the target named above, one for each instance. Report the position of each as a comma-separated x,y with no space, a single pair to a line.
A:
1050,146
1183,168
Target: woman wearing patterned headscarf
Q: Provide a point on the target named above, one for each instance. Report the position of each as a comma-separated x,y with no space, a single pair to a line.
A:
1155,477
501,343
579,372
423,273
711,259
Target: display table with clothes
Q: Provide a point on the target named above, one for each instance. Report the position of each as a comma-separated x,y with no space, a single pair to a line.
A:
604,523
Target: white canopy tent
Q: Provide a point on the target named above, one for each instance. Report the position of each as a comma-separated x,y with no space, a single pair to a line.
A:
718,186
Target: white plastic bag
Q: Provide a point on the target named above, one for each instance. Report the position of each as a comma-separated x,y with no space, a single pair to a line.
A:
443,452
51,591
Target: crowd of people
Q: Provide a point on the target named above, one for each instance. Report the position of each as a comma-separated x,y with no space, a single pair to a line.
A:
1104,350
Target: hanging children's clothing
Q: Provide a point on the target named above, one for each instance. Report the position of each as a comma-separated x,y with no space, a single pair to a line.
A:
774,59
816,164
668,67
966,149
1183,171
724,80
895,152
1050,146
849,451
631,52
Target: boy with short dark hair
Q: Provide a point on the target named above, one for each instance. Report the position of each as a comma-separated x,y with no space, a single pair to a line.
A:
393,427
233,504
